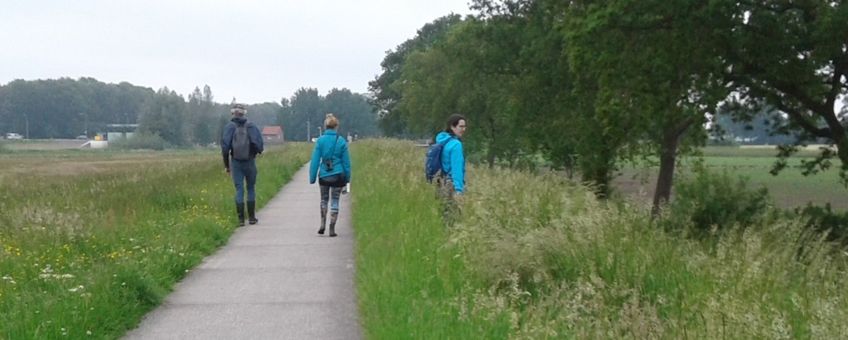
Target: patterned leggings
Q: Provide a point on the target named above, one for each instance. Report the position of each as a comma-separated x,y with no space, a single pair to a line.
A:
328,191
446,192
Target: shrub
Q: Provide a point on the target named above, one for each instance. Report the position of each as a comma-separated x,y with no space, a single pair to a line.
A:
717,201
824,219
143,140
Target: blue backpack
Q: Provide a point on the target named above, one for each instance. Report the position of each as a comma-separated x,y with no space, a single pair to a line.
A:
433,160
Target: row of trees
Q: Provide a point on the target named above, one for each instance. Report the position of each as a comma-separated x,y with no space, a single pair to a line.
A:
66,108
305,111
591,83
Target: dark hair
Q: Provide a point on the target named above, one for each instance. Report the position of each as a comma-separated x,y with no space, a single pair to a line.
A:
453,121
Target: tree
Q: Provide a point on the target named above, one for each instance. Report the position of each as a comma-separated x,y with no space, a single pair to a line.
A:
355,112
305,116
654,64
384,95
164,115
65,108
792,56
555,104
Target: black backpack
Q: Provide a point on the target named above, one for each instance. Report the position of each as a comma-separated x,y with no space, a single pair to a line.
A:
241,143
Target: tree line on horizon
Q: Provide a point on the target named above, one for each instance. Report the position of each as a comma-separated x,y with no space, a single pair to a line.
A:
593,84
67,108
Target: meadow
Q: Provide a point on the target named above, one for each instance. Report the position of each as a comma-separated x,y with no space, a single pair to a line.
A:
790,188
537,256
90,240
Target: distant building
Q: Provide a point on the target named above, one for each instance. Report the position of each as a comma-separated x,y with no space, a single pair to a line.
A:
120,131
273,133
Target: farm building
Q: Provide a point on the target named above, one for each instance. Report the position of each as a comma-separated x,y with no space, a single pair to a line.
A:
273,133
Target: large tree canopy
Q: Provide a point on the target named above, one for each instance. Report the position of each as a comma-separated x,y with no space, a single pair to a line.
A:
303,114
791,55
593,83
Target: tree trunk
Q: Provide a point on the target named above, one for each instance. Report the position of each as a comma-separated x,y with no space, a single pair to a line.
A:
597,170
668,158
490,157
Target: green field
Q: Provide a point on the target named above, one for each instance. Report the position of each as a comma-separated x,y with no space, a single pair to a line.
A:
90,240
790,189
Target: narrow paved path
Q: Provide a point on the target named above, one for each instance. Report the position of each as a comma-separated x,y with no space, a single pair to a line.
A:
274,280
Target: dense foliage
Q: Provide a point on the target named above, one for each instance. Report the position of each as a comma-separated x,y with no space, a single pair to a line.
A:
305,111
592,84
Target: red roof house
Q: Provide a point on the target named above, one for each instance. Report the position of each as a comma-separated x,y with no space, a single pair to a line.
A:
272,132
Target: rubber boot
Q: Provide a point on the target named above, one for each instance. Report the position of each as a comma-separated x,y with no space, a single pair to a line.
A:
323,221
240,211
251,212
333,217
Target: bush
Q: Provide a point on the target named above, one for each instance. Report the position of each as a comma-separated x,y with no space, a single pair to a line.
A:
717,201
824,219
144,140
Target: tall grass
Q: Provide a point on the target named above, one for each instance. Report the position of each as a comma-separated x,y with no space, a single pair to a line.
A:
87,255
409,276
538,257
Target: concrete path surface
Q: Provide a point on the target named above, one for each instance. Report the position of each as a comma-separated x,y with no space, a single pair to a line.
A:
274,280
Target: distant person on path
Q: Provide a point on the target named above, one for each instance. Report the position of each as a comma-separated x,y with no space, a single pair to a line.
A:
331,164
240,144
451,182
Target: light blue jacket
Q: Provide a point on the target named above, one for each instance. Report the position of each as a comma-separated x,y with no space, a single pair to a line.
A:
453,160
340,157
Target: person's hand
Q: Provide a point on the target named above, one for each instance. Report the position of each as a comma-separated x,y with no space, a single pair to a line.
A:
227,170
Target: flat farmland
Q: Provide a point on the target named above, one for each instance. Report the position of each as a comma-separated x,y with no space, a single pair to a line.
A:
789,189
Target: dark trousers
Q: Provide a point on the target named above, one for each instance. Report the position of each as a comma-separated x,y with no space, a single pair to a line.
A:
244,171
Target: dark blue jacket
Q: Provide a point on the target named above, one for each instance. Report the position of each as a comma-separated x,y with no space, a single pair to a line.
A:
257,146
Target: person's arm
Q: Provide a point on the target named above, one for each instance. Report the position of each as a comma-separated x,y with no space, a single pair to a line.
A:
313,165
457,161
258,142
346,161
226,145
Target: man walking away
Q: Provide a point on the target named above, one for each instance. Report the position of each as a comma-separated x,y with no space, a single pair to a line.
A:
240,144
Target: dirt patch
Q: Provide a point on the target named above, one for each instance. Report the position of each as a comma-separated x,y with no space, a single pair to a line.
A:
48,144
89,163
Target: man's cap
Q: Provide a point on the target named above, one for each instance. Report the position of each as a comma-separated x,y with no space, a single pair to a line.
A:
238,108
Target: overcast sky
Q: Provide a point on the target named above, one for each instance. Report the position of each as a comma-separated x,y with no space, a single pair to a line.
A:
256,51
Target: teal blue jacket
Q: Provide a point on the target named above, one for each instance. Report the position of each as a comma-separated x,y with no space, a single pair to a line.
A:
340,157
453,160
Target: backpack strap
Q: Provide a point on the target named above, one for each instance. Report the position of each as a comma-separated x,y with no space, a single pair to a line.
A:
332,152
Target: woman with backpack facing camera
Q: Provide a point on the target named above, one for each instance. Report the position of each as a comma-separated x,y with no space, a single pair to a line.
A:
331,164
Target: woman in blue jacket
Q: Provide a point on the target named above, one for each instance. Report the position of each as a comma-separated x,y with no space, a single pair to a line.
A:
453,159
331,164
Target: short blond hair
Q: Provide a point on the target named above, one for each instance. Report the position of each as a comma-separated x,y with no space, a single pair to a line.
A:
331,122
